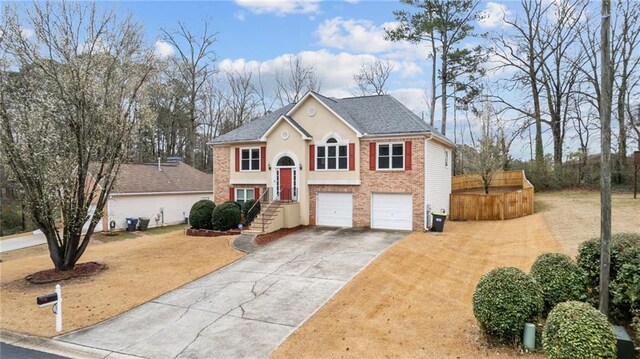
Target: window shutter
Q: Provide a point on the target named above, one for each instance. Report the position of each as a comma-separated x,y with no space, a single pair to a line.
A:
263,158
232,194
352,157
407,155
237,159
312,157
256,193
372,156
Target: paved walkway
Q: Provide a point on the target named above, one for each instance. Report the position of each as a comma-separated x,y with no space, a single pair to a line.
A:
247,309
30,240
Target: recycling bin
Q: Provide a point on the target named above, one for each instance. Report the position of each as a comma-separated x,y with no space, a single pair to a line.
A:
132,223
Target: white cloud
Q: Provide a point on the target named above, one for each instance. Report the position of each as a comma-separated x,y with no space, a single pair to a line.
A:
240,15
163,49
27,33
352,1
281,7
493,16
365,37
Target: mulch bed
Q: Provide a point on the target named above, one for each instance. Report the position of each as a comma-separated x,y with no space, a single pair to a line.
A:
264,239
80,270
211,233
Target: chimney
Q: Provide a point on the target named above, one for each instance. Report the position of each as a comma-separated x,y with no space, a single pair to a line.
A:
159,167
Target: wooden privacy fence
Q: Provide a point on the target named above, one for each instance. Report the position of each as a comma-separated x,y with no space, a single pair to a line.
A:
512,197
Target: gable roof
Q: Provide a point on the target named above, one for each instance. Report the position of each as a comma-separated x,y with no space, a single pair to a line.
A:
367,115
305,135
174,177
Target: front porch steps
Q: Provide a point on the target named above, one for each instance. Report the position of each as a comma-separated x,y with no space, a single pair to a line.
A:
270,220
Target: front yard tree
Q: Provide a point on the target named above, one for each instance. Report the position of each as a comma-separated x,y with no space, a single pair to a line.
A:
68,106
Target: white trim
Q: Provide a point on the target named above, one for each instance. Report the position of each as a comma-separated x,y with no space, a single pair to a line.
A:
310,93
240,181
390,144
275,167
157,193
326,146
264,136
250,159
333,182
227,143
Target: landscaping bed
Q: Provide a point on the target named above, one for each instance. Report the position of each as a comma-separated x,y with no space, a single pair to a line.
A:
211,233
79,271
139,270
264,239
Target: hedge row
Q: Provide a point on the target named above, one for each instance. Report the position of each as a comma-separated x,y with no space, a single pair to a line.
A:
205,214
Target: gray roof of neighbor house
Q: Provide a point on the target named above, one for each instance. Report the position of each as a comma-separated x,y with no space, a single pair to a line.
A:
369,115
174,177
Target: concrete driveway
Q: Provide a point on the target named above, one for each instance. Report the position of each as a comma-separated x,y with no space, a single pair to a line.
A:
247,309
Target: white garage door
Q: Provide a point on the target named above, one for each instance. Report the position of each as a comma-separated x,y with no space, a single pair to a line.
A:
391,211
334,209
98,228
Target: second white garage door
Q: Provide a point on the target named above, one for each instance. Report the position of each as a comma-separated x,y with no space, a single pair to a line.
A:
391,211
334,209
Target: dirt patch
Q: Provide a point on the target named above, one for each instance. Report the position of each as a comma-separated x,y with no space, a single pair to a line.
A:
211,233
414,301
139,270
52,275
574,216
264,239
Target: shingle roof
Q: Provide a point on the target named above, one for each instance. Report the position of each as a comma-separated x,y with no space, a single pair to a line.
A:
369,115
174,177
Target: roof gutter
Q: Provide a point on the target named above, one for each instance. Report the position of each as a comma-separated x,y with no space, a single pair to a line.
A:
236,141
157,193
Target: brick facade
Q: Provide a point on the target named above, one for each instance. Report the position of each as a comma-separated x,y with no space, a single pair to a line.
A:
407,181
221,164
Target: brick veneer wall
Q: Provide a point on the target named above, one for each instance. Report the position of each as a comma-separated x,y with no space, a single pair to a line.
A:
411,181
221,163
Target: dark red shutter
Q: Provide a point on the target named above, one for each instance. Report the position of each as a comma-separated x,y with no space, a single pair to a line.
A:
256,193
232,194
237,159
352,157
372,156
263,158
407,155
312,157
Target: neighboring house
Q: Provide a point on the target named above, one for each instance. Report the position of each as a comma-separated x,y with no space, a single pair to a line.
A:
351,162
163,192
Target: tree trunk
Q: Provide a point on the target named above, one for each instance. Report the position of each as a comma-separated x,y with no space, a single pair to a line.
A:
432,112
605,165
444,86
621,161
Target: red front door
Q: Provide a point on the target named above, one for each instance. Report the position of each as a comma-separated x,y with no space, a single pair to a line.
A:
285,184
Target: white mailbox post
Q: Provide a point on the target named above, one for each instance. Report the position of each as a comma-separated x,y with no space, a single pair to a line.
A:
54,299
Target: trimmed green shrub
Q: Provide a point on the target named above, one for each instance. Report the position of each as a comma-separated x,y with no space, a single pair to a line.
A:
249,216
504,299
200,214
226,216
624,275
560,278
578,330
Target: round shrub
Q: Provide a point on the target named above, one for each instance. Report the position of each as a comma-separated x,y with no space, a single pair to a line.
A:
624,274
578,330
560,278
504,299
250,208
200,214
225,216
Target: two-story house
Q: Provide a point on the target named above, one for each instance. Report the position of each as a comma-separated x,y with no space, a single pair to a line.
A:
351,162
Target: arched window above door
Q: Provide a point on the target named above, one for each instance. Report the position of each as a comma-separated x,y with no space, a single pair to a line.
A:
285,161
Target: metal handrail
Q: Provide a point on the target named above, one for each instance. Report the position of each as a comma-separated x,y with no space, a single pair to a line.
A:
259,198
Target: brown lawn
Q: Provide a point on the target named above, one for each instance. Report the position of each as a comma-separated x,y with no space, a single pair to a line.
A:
574,216
139,270
415,299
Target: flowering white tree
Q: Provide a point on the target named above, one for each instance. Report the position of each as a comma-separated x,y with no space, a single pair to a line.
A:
70,86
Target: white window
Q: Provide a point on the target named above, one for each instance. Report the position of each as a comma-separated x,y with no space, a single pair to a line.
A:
391,156
250,159
244,194
332,156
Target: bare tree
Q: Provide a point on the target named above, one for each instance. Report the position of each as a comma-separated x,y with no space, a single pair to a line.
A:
372,78
525,54
584,125
194,65
266,103
69,113
296,81
560,71
241,100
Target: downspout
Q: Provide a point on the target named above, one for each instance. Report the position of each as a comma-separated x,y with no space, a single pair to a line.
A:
427,207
